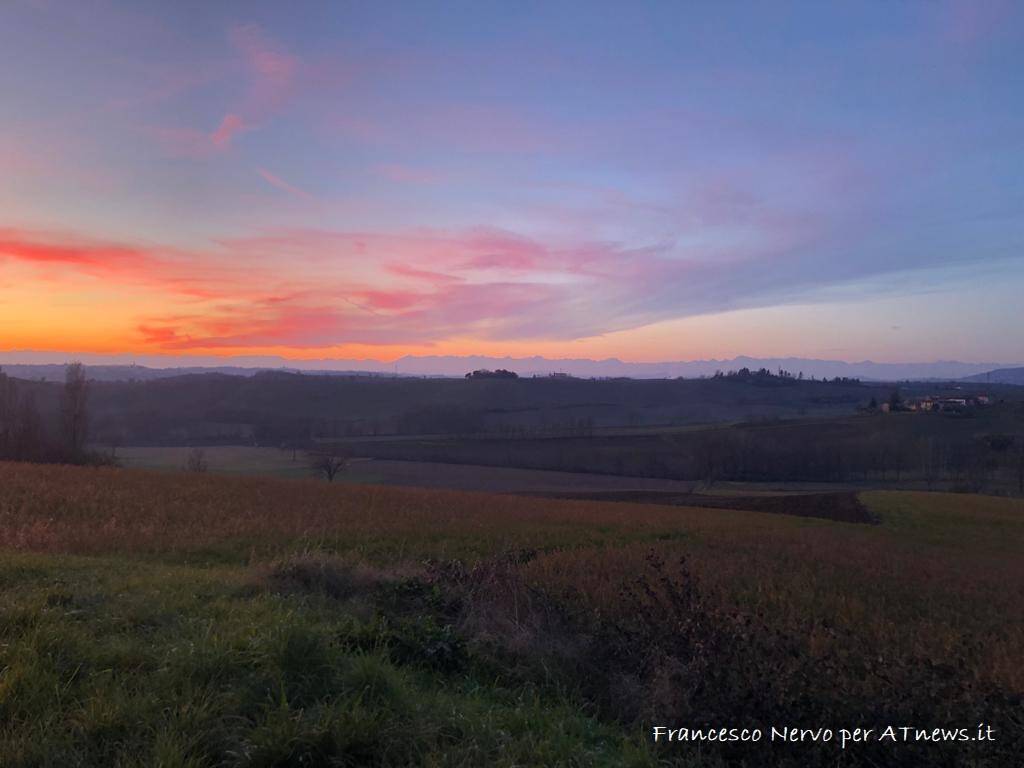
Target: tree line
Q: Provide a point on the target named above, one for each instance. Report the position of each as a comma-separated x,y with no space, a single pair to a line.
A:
763,375
869,451
26,436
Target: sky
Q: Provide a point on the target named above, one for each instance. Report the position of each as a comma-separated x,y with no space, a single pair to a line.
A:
647,181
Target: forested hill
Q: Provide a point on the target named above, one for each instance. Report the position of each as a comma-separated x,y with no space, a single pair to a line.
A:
272,407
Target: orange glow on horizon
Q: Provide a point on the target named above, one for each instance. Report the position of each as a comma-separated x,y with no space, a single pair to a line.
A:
71,297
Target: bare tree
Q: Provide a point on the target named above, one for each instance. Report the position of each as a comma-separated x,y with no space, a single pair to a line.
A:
196,461
328,463
74,409
8,414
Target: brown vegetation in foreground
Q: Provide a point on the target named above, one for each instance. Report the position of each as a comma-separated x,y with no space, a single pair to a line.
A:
109,510
938,565
664,646
646,611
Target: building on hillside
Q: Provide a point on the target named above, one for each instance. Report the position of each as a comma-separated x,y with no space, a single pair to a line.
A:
930,403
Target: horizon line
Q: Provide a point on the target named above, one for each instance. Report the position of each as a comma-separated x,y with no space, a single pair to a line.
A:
58,357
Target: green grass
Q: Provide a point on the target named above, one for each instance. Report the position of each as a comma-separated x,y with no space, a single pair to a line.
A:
108,663
958,522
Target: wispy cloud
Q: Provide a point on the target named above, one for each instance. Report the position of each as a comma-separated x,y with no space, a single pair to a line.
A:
263,76
284,186
270,68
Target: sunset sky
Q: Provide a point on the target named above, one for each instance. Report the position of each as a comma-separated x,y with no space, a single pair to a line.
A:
646,181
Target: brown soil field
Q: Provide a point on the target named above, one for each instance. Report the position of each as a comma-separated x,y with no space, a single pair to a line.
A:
844,507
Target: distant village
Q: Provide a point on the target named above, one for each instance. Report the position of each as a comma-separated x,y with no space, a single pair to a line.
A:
930,403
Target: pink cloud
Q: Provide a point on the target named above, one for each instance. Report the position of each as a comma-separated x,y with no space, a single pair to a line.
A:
158,336
188,142
229,126
389,299
268,73
271,71
430,276
93,258
378,317
189,275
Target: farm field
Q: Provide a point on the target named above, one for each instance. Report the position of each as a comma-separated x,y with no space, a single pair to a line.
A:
152,618
815,500
975,452
229,459
232,459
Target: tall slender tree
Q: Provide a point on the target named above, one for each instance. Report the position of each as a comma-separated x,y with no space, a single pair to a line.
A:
8,415
74,410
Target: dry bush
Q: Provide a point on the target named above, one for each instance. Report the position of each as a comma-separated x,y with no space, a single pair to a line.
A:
492,603
317,572
196,461
669,649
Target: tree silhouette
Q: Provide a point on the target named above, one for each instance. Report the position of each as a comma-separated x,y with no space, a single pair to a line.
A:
328,463
74,410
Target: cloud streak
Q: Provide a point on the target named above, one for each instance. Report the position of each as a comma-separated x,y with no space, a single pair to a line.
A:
284,186
229,127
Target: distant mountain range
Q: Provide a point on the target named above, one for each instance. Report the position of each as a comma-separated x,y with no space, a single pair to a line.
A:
42,365
1000,376
55,371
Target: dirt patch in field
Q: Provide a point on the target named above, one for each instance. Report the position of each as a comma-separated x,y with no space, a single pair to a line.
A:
844,507
475,477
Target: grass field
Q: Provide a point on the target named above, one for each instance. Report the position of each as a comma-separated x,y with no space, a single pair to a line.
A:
162,619
230,459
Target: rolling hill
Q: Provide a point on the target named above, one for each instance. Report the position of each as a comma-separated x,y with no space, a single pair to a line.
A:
1000,376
